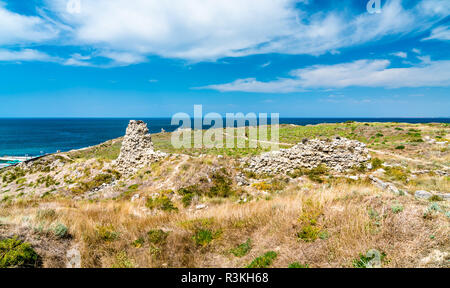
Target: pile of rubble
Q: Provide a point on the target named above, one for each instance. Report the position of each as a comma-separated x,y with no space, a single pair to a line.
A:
137,149
339,154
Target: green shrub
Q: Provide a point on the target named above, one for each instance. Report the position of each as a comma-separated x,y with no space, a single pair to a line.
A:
263,261
376,163
188,194
400,147
162,202
15,253
187,199
298,265
242,249
397,173
138,242
107,233
60,230
396,209
372,258
203,237
157,236
122,261
435,207
309,233
435,198
324,235
221,185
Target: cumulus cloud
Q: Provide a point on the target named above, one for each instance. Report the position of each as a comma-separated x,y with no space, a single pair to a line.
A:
19,29
362,73
198,30
128,32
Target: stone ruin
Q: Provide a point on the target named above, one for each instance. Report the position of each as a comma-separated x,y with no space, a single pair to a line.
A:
339,155
137,149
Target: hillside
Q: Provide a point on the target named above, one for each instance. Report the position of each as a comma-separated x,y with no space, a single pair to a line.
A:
212,208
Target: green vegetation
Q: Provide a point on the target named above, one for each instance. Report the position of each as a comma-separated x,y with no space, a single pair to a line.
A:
107,233
221,185
157,236
366,261
107,151
272,186
60,230
315,174
98,180
122,261
138,243
376,163
263,261
311,230
435,198
242,249
397,173
298,265
397,208
162,203
203,237
15,253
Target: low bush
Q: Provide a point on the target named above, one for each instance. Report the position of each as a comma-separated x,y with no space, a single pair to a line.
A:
298,265
242,249
157,236
60,231
15,253
162,203
263,261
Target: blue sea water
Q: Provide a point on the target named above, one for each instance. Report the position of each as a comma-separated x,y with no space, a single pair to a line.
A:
20,137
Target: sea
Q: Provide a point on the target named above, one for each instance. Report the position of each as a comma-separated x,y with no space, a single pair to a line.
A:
39,136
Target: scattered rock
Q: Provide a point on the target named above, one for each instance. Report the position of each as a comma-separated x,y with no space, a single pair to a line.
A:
375,262
422,194
445,196
385,185
135,197
73,256
436,257
200,206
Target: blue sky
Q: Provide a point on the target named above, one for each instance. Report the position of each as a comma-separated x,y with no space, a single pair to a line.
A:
144,58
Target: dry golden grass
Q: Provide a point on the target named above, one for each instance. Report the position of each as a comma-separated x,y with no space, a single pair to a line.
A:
106,230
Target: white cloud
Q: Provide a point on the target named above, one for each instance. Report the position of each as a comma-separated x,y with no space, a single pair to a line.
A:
198,30
128,32
24,55
403,55
18,29
416,51
440,33
187,29
362,73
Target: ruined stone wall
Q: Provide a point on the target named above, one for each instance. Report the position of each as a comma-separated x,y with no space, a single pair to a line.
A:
338,154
